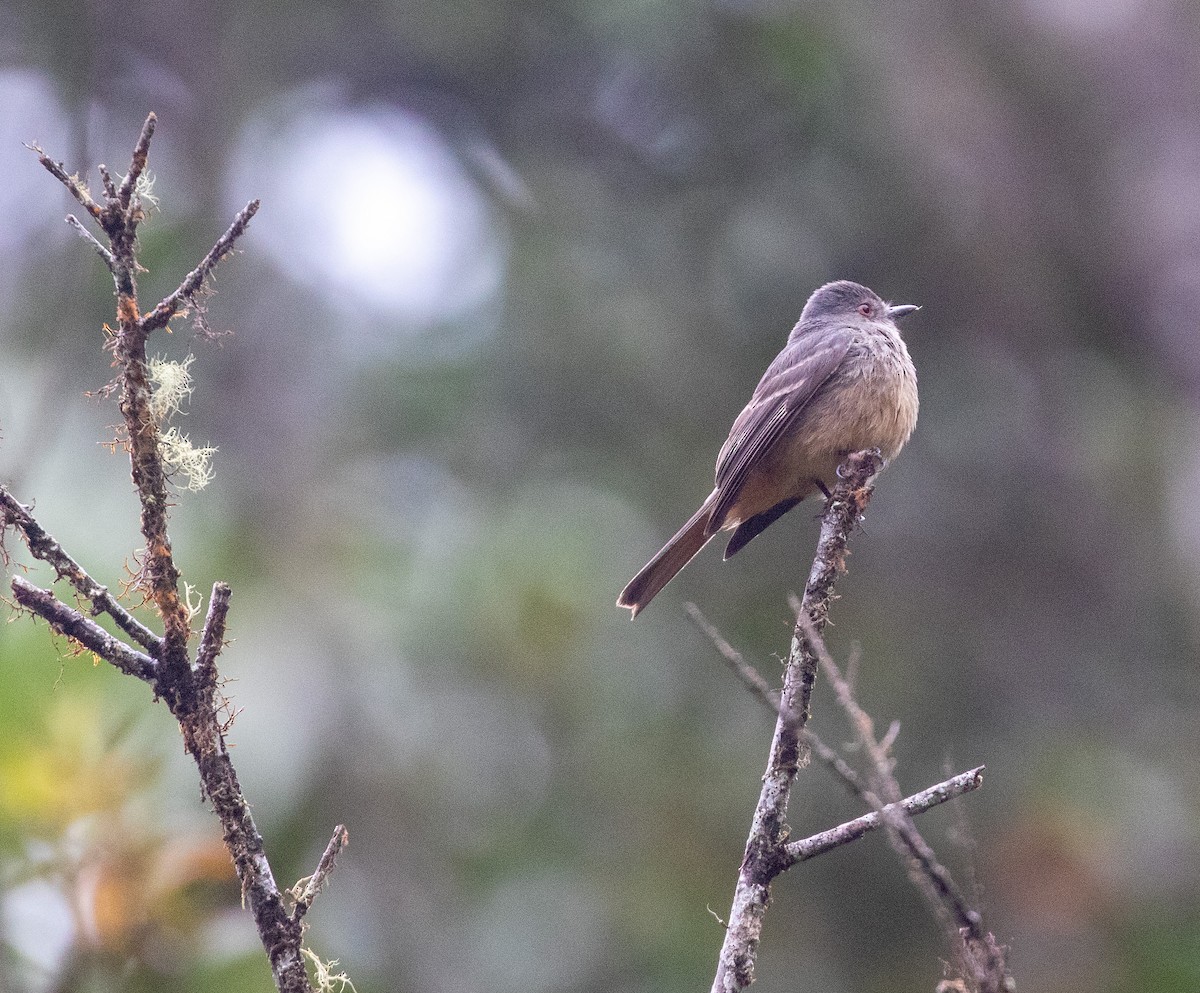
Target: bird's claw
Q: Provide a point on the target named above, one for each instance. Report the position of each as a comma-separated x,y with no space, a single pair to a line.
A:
875,452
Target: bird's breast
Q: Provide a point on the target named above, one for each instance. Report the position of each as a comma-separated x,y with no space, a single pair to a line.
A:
876,395
870,402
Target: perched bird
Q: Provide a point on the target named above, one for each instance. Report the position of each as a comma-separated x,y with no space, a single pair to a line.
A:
844,382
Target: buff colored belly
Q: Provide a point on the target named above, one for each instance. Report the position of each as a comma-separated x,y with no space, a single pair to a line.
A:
868,411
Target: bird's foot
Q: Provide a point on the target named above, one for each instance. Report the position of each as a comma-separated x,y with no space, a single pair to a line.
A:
873,454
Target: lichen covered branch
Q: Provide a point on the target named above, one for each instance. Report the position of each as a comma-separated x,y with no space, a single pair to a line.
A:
43,546
190,691
86,632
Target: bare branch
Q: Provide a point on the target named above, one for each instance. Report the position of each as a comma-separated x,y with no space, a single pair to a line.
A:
90,238
160,315
764,857
44,547
918,803
980,955
189,692
137,165
70,622
74,184
305,891
212,638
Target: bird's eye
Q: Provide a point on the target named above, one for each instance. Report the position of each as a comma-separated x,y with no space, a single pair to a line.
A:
864,309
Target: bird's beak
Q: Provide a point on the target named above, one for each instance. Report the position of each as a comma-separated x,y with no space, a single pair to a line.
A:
901,309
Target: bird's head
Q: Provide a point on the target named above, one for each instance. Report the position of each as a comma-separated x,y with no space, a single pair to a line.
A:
845,300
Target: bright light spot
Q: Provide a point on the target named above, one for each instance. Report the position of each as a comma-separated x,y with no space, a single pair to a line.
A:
1086,16
372,208
30,196
37,923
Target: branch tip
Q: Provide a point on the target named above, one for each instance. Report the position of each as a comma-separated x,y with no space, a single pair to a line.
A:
75,186
918,803
306,890
91,239
137,164
212,637
167,307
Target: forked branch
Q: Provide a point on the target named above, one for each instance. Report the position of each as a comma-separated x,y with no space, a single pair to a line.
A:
768,852
190,690
765,856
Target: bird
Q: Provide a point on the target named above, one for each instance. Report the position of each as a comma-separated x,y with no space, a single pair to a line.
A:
843,383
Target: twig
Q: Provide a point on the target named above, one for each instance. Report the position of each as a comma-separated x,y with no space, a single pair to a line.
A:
947,899
305,891
750,677
90,238
982,958
838,765
753,680
137,165
44,547
70,622
161,314
918,803
765,856
74,186
212,638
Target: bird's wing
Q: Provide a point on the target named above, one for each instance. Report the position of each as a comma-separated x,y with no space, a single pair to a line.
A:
787,387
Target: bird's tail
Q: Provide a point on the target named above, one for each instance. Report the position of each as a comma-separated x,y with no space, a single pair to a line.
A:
672,557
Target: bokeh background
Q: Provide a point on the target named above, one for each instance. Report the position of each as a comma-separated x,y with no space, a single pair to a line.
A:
518,266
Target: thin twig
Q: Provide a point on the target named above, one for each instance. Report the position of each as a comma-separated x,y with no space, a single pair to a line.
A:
305,891
212,637
918,803
70,622
141,154
74,185
750,677
161,314
981,957
44,547
840,767
754,681
90,238
935,878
